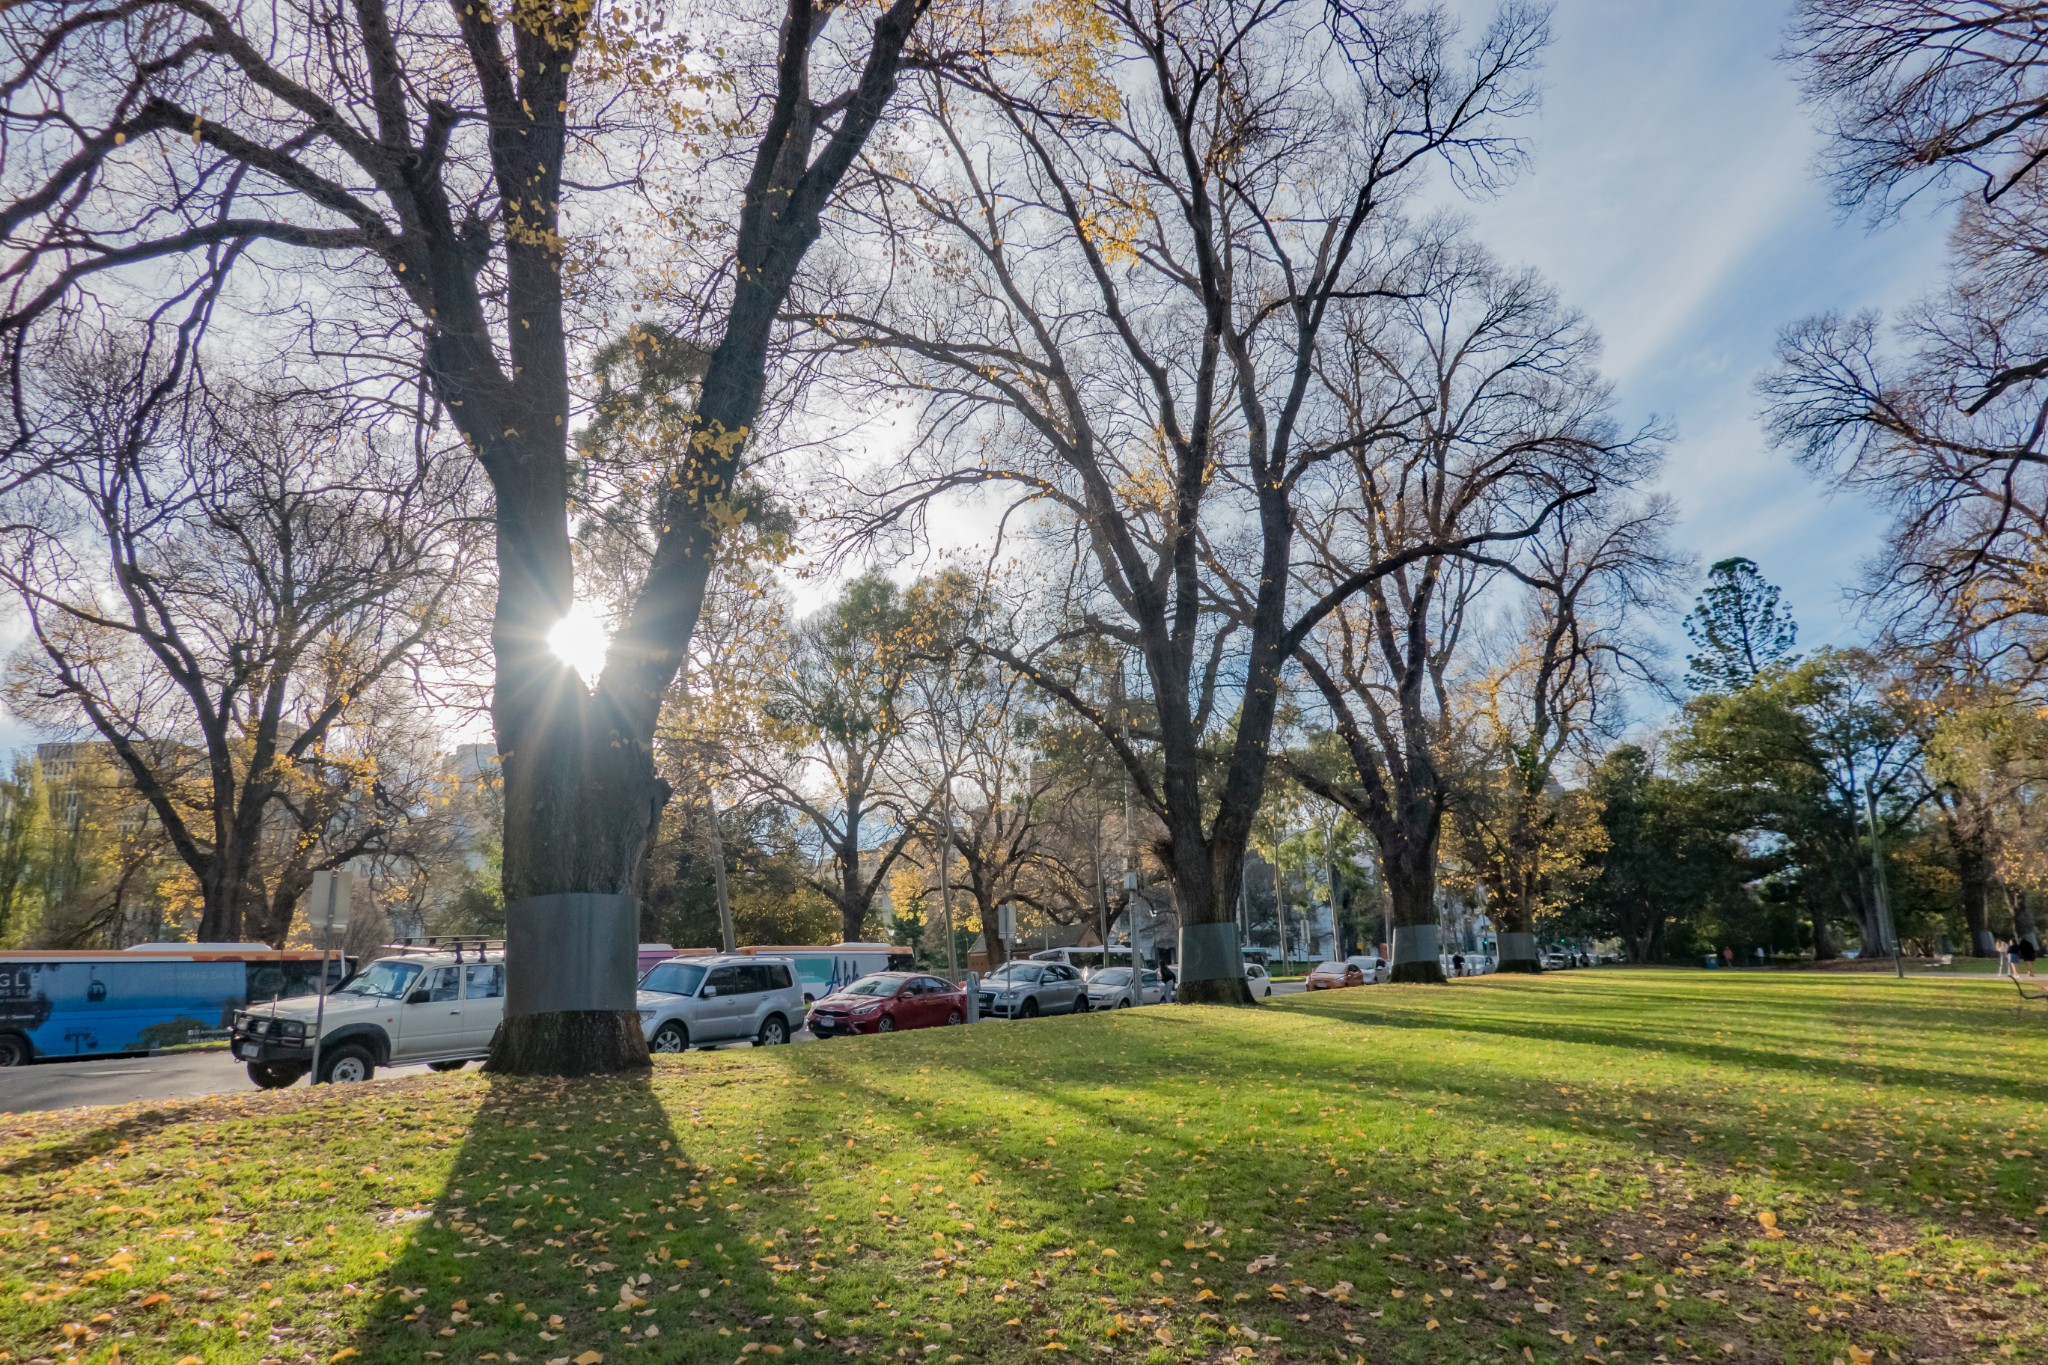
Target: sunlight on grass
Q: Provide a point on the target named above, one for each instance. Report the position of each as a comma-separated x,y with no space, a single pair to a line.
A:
1608,1166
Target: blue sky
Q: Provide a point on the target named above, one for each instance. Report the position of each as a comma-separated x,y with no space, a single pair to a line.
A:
1675,200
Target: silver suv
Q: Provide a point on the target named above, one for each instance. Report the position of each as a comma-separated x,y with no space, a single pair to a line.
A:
1025,990
697,1001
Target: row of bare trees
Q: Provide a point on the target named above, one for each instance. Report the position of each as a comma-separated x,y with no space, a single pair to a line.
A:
1141,276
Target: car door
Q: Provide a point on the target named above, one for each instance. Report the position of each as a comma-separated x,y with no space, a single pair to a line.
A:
720,1005
431,1027
1063,987
1150,989
760,981
483,1002
935,1001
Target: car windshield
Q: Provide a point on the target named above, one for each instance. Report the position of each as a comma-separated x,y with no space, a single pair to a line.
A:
674,978
1111,976
1016,971
386,979
1333,968
874,985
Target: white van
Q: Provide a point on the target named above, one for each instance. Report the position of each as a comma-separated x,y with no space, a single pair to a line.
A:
1086,960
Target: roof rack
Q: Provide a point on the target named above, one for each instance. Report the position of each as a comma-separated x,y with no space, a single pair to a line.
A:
444,943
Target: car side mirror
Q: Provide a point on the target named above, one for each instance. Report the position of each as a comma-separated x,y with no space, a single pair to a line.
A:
708,992
418,997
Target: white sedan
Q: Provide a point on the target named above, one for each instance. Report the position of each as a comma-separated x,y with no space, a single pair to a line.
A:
1118,988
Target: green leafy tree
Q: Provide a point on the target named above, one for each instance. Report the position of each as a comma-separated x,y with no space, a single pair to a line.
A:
1795,757
1672,868
1738,628
22,830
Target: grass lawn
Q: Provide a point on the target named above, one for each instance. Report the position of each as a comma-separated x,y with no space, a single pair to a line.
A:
1606,1166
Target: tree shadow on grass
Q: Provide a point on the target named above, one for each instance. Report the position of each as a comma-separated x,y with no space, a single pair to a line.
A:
1699,1044
1136,1184
82,1147
574,1220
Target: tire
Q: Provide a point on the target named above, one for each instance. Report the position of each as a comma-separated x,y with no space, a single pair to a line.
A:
774,1032
15,1050
1269,992
456,1065
1029,1009
670,1037
1124,1003
1082,1004
275,1075
885,1025
346,1064
955,1017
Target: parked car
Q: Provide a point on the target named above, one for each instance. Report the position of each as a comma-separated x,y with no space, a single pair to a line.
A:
1117,988
1555,961
1025,990
1261,984
1372,966
1328,976
438,1006
697,1001
886,1002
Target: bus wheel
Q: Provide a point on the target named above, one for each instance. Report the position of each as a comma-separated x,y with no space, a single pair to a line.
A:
275,1075
14,1050
345,1064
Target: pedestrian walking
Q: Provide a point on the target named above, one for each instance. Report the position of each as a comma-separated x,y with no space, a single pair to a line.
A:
1167,980
2004,951
1728,958
1457,964
1759,955
2027,953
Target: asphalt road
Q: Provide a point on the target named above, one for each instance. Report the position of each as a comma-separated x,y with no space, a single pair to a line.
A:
180,1075
123,1080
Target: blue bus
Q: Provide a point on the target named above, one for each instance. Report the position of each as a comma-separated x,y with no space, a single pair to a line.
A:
87,1004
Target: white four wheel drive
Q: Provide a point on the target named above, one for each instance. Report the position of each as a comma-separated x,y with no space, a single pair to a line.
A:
697,1001
438,1005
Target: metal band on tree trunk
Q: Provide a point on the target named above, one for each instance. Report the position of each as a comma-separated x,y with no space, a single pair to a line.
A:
571,952
1416,943
1209,952
1515,947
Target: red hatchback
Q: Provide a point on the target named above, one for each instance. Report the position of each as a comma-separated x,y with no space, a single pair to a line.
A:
888,1001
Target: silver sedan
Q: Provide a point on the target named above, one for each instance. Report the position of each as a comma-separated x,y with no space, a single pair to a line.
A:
1025,990
1117,988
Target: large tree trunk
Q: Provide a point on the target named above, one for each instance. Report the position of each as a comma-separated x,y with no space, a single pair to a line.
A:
1824,949
1211,965
581,804
1411,883
1515,925
1973,870
1862,903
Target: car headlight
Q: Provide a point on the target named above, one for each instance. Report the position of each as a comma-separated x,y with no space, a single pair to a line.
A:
646,1016
291,1028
